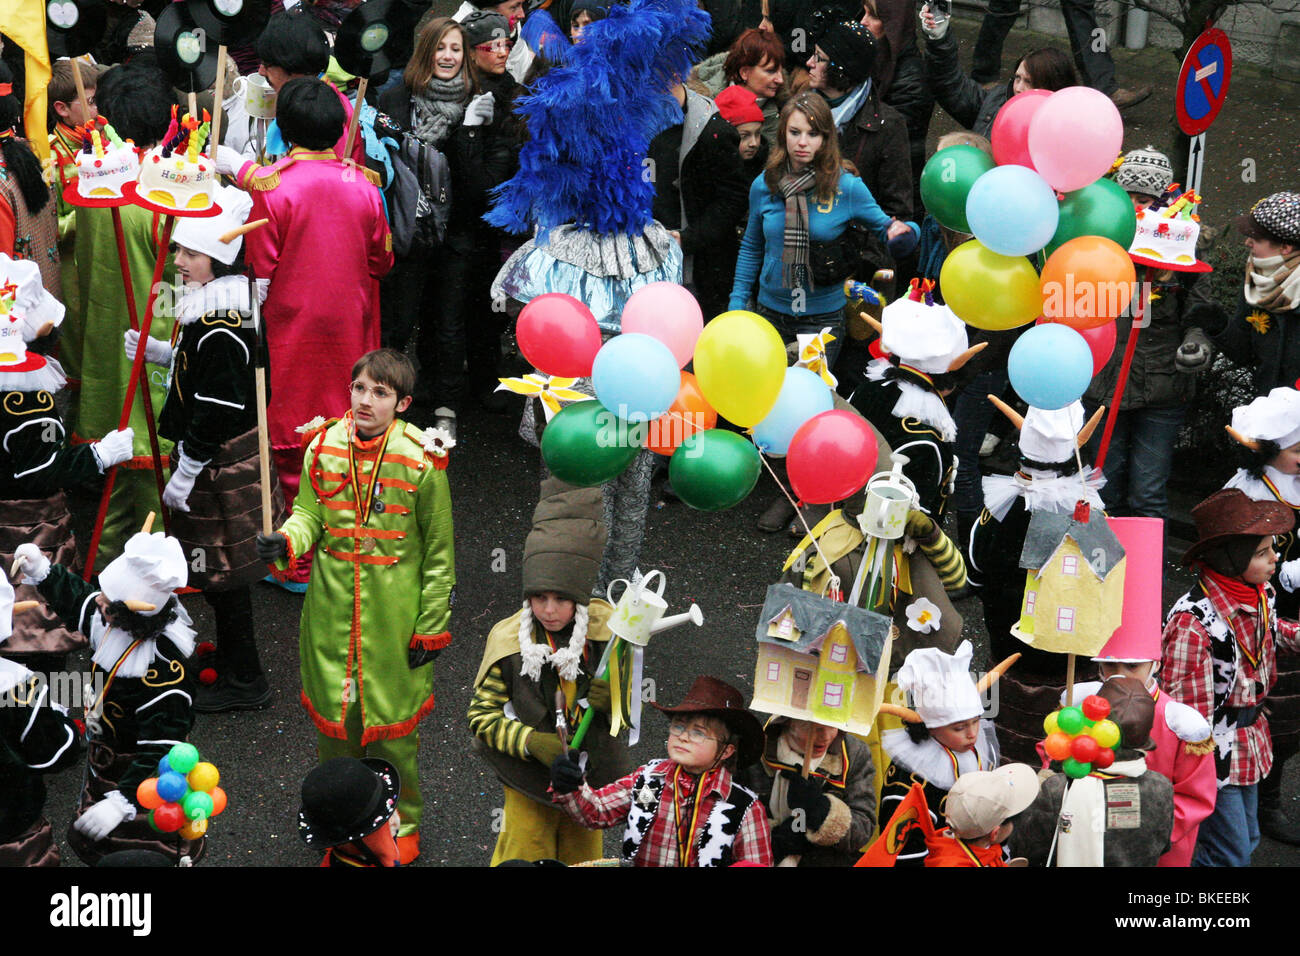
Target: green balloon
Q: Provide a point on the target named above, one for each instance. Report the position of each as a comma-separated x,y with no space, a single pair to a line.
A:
1070,720
586,444
947,179
1100,209
182,758
1074,770
714,469
197,805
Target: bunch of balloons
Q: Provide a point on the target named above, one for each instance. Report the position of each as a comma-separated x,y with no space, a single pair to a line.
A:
184,795
644,398
1041,193
1082,737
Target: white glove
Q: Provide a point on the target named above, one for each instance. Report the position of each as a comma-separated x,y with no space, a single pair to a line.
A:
114,448
935,31
1289,575
100,819
156,351
29,562
480,111
177,493
229,160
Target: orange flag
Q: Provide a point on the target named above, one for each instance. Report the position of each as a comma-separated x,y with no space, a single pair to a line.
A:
913,812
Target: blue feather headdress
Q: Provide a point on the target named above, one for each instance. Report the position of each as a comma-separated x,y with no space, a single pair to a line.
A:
591,118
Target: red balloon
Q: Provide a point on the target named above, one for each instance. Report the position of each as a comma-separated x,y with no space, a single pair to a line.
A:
169,817
1101,342
558,335
1085,749
1105,758
831,456
1010,134
1096,707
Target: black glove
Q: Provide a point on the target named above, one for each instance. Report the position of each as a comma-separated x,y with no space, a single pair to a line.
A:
785,842
272,547
806,795
419,656
566,774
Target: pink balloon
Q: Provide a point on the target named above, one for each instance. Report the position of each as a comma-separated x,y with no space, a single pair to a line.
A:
1074,137
667,312
1010,135
831,456
558,335
1101,342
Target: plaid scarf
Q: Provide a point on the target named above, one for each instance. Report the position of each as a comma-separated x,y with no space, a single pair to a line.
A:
1273,283
794,252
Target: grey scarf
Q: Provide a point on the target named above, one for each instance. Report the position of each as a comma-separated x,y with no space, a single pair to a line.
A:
438,109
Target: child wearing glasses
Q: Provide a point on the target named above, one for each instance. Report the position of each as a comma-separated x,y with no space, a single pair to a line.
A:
687,809
374,500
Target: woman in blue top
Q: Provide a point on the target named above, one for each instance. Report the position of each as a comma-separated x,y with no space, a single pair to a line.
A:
804,197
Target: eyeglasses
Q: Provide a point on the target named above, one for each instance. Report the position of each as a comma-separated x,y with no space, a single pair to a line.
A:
696,735
378,392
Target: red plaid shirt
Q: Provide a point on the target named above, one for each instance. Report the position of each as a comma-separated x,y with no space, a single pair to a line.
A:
607,807
1187,674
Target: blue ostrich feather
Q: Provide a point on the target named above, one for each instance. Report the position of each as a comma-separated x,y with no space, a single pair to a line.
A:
591,118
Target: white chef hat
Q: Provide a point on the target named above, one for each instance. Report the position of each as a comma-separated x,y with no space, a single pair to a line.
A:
942,689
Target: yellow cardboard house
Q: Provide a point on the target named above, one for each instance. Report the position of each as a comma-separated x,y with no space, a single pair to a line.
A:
820,660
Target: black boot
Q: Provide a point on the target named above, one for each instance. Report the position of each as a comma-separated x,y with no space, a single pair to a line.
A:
240,683
1273,821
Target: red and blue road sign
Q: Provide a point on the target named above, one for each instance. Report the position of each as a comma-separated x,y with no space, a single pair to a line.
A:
1203,82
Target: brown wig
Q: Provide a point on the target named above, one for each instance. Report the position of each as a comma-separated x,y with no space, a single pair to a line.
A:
419,69
826,163
754,47
1049,69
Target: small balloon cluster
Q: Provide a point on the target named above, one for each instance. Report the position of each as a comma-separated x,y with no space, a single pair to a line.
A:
184,795
644,399
1051,154
1082,737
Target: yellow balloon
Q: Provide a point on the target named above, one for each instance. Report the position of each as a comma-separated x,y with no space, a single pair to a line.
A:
740,366
194,829
1049,723
203,777
1105,732
988,290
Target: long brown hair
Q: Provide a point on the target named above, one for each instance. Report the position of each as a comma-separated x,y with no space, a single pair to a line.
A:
826,162
419,69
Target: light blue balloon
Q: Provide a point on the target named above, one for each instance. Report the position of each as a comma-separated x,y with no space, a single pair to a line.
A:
1012,210
803,394
1050,366
636,377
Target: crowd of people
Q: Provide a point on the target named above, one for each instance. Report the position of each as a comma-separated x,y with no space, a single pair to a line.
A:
784,162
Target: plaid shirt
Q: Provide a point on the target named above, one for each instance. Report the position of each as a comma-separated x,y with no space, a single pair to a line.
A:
1187,674
608,807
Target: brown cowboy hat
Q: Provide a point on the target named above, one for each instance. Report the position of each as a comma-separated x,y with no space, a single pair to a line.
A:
1229,514
1133,710
714,698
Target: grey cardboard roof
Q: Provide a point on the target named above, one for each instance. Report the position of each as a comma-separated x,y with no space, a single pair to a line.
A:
1101,549
815,615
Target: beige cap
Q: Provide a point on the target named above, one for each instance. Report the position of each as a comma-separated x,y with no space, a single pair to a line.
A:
981,800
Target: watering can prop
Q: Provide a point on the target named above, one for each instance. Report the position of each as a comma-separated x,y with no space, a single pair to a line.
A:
637,617
890,496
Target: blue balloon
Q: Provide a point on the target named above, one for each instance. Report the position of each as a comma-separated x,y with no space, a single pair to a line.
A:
636,377
164,766
1012,210
803,394
172,786
1050,366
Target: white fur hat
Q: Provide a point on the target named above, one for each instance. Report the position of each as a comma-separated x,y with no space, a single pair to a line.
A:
1050,436
942,689
204,234
1273,417
150,568
921,333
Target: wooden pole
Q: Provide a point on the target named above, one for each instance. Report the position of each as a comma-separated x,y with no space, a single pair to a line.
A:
1069,680
194,104
81,89
218,96
356,116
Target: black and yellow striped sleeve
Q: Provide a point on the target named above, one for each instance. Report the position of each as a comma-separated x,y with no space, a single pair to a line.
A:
488,720
945,556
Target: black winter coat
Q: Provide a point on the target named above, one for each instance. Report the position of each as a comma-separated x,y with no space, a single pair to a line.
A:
961,97
1268,342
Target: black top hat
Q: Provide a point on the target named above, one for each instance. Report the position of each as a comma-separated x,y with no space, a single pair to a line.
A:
346,799
713,698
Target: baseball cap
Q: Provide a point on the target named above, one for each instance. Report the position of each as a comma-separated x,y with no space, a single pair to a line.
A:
981,800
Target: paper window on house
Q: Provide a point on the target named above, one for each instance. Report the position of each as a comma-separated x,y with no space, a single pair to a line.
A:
773,671
1065,619
839,653
833,695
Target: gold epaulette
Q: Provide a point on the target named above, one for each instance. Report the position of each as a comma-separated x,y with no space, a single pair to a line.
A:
1199,749
313,428
264,179
371,176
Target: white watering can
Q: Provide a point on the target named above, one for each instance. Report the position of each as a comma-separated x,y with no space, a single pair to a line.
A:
638,616
890,495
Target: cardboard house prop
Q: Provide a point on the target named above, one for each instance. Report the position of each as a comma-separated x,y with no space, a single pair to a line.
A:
820,660
1074,591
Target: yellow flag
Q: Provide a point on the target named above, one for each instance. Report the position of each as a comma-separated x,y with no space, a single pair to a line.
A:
23,21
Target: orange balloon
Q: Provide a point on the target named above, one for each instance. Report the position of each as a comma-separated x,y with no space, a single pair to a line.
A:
689,413
1057,745
147,794
218,800
1087,282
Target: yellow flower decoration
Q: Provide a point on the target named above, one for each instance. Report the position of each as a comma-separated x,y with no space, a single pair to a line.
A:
550,390
812,355
1260,320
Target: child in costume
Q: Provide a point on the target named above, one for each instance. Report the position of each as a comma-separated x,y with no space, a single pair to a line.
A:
1268,430
37,462
1120,816
1220,657
349,810
944,737
375,499
686,810
552,644
36,738
140,640
211,414
65,114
